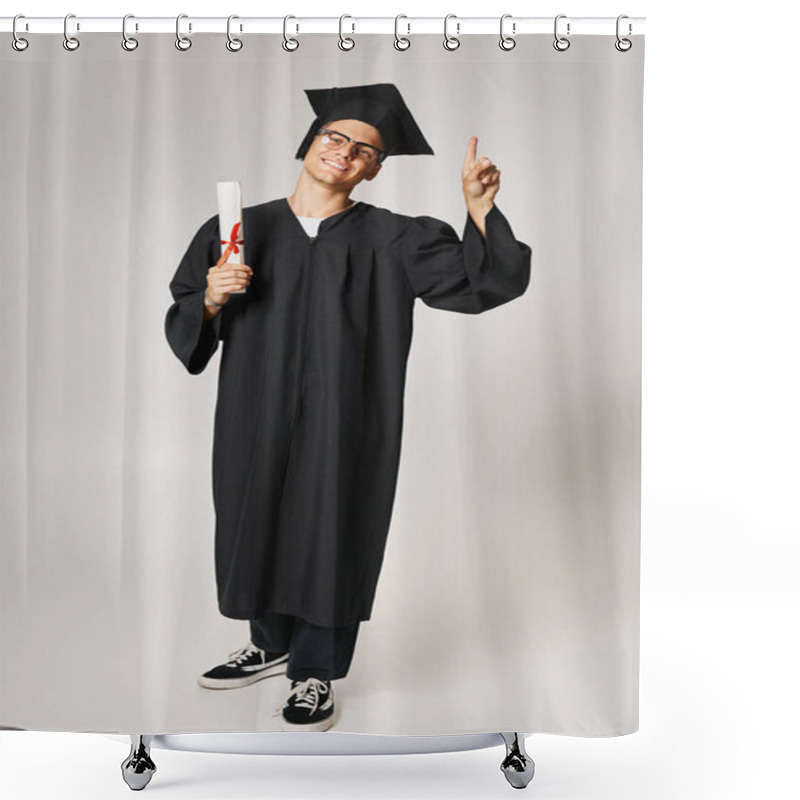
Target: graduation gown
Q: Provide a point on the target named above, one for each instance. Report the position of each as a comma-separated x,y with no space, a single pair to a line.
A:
309,408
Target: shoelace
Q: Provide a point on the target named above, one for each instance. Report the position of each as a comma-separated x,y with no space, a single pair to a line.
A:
237,656
308,695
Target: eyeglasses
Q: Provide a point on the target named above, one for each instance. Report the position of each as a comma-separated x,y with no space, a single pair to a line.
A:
333,140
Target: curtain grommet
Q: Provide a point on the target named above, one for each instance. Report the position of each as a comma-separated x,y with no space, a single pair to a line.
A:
183,43
623,44
70,42
129,43
401,43
451,42
345,42
233,44
561,43
289,43
507,42
17,42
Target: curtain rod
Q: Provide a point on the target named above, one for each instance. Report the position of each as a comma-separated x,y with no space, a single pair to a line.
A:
351,24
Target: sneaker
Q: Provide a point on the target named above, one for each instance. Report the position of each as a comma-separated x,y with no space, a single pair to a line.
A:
245,666
309,706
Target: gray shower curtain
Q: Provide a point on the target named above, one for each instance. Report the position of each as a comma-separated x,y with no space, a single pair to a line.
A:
508,594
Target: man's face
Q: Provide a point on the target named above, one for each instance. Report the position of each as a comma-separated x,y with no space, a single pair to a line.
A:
343,167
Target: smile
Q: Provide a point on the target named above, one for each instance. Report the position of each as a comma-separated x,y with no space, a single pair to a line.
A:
335,165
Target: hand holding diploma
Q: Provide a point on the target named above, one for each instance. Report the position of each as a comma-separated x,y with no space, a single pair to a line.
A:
230,275
224,279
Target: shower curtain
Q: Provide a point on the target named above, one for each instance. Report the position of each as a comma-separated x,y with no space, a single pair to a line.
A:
497,571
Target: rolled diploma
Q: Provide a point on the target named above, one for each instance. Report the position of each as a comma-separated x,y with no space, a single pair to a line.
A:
229,202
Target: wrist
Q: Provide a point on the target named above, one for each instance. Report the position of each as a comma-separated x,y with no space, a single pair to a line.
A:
209,303
477,211
479,206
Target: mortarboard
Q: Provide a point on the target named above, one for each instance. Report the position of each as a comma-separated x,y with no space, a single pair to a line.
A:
380,105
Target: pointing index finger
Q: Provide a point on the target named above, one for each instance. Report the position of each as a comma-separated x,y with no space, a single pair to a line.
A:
472,149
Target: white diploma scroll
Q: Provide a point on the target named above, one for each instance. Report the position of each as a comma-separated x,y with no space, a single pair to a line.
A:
231,228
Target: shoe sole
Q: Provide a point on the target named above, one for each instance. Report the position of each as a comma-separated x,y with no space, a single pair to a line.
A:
238,683
323,725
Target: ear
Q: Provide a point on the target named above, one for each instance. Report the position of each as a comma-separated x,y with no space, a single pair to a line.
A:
374,172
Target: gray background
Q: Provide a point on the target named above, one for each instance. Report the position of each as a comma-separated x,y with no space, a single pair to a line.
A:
514,548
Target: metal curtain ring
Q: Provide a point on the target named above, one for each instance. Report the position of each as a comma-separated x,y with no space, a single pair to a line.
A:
182,42
345,42
623,45
289,43
234,45
18,43
70,42
400,42
128,42
561,43
451,42
507,42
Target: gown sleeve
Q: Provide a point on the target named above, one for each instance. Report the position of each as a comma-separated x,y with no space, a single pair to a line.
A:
470,276
192,341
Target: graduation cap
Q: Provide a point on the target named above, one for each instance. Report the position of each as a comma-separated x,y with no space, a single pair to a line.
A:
380,105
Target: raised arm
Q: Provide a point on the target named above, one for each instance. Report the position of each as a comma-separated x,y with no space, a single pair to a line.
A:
487,268
469,276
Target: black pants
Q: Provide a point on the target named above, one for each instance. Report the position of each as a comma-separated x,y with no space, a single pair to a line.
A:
314,651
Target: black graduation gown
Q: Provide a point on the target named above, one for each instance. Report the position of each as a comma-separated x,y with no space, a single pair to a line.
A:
310,396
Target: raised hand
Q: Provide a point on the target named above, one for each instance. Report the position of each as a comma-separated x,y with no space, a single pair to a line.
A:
480,177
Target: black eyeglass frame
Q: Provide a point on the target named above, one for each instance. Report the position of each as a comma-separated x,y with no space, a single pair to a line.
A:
381,153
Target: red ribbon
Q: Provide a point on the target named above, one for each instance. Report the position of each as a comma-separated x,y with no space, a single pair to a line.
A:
233,245
235,241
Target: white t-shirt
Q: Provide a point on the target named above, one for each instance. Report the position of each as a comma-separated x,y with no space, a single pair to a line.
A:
310,224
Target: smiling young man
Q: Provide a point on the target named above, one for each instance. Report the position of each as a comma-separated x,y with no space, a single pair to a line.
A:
310,399
329,175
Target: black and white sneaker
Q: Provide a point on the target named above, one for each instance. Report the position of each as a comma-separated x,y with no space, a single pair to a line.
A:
245,666
309,706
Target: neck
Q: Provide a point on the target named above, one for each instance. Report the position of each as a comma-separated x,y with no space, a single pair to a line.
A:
313,199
